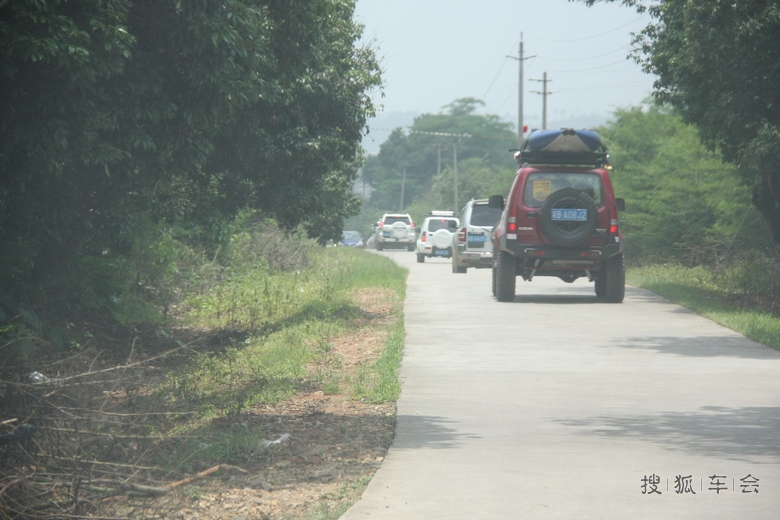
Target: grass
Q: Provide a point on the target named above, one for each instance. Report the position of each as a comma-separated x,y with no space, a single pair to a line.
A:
703,292
380,383
333,505
288,322
176,375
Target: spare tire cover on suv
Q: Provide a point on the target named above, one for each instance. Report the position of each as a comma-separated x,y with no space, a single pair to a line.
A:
568,233
399,230
442,239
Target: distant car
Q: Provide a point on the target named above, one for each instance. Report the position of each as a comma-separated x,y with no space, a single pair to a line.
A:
436,235
351,239
472,244
395,230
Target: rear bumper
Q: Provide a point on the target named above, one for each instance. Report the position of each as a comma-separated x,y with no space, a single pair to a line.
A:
543,252
389,241
471,258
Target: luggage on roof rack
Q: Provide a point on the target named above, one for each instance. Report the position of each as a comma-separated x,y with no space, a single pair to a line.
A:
565,146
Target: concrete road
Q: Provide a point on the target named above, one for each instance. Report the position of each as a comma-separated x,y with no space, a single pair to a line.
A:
559,406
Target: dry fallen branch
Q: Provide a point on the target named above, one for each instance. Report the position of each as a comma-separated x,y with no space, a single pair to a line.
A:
156,491
126,366
10,484
202,474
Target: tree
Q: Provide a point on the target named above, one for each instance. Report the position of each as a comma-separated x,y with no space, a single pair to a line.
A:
430,137
119,111
680,207
716,63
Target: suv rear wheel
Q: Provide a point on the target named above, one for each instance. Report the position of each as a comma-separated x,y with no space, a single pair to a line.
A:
506,276
456,269
601,285
420,258
615,280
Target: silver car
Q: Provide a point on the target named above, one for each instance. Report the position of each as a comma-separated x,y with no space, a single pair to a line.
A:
471,243
395,230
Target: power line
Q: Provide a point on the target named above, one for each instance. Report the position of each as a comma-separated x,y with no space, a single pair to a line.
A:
623,48
588,37
599,67
500,68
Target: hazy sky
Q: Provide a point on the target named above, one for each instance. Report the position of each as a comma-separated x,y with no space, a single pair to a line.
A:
436,51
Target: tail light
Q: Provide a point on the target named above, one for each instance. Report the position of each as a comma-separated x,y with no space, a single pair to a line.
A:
511,222
462,235
381,225
614,228
422,237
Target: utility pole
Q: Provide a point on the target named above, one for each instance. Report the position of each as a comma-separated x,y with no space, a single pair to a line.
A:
455,172
454,159
544,92
438,159
520,60
403,184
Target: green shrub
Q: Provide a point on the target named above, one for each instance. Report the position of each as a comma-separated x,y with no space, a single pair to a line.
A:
752,273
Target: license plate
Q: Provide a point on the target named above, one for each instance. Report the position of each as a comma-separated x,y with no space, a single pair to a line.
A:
441,252
477,238
571,215
387,234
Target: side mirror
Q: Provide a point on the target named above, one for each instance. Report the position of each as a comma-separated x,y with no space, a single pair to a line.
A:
496,201
621,204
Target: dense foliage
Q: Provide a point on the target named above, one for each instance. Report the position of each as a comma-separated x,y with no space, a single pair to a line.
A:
118,114
147,406
683,205
716,63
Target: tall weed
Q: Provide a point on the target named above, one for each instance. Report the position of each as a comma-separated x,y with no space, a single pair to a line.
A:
754,273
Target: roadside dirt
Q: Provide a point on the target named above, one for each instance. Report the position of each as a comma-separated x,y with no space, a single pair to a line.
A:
328,448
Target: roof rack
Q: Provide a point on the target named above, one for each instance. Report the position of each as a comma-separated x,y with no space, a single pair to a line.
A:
437,213
595,159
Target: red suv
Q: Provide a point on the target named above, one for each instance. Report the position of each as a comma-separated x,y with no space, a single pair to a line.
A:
560,217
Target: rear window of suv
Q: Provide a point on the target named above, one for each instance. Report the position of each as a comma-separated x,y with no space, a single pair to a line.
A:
539,185
435,225
483,215
392,219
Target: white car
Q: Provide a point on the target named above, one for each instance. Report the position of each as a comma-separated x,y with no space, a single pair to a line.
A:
472,244
436,235
395,230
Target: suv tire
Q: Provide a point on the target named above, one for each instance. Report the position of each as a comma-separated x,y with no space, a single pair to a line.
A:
506,276
568,234
615,280
456,269
420,258
379,245
600,284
